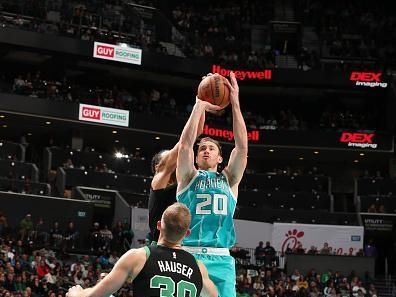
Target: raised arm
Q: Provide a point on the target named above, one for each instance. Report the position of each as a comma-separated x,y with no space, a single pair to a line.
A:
185,169
208,289
129,265
167,165
238,158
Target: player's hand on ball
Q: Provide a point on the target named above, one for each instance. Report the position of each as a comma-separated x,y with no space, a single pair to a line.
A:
234,89
209,107
74,291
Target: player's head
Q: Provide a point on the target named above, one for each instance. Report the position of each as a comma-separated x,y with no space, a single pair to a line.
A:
175,223
156,160
209,154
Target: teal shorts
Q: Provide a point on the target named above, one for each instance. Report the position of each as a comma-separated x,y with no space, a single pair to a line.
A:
221,271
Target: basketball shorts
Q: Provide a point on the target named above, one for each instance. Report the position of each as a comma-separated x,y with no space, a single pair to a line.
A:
221,269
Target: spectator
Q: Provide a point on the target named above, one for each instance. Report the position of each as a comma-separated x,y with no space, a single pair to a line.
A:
325,250
70,237
259,253
56,236
372,208
106,237
302,283
313,250
40,233
95,237
370,249
270,254
26,227
42,269
3,224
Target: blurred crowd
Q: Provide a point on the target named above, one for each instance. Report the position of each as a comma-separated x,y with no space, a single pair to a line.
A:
39,261
168,102
353,29
271,282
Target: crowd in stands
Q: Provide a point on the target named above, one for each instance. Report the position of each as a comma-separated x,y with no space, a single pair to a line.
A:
86,20
271,282
353,29
220,34
223,34
269,278
35,260
168,103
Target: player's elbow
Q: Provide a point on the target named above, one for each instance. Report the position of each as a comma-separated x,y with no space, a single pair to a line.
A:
183,147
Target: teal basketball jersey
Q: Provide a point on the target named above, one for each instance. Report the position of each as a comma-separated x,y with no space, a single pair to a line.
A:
212,205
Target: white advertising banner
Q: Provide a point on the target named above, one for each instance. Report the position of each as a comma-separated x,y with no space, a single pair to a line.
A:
139,225
117,53
343,240
249,233
103,115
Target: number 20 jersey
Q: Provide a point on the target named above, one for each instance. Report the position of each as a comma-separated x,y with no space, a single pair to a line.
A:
212,205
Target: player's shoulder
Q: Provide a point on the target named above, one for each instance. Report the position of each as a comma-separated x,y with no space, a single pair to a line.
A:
136,254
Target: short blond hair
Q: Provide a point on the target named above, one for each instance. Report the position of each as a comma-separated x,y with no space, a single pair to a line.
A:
176,219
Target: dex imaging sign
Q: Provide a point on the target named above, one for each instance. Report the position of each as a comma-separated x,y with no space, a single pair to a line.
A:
368,79
360,140
117,53
103,115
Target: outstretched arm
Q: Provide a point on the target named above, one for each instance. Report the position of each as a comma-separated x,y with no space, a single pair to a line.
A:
185,169
238,158
129,265
167,165
208,289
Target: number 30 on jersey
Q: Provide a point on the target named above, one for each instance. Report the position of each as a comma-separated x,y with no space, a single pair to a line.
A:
211,204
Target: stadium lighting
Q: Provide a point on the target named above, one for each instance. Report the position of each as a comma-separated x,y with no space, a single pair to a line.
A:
271,150
157,137
316,152
361,154
120,155
356,161
114,132
48,123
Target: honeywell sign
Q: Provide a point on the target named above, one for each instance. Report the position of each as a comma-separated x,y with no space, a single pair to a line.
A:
117,53
265,74
360,140
228,134
368,79
103,115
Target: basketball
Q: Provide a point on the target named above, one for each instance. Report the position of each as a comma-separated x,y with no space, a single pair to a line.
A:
214,89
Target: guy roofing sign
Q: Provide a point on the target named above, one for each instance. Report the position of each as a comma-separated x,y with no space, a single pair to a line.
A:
117,53
103,115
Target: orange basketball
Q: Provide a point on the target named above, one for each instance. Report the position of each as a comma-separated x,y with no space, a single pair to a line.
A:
214,90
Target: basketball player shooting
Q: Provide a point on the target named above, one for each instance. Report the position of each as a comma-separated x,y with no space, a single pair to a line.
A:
212,196
163,184
161,270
